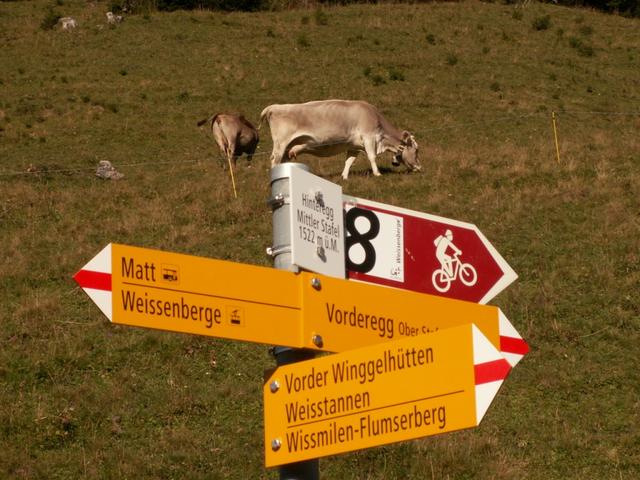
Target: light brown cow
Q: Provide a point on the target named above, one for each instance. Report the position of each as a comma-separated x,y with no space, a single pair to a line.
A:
325,128
234,135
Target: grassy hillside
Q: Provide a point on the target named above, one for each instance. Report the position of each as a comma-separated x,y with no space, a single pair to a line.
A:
477,84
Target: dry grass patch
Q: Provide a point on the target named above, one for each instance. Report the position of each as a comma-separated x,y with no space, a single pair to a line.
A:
82,398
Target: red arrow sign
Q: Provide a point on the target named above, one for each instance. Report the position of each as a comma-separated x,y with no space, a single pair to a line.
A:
425,253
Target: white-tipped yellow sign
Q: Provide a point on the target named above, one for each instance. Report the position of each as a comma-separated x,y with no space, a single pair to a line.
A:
182,293
385,393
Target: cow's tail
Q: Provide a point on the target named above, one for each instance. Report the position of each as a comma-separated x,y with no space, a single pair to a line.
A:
205,120
211,119
265,115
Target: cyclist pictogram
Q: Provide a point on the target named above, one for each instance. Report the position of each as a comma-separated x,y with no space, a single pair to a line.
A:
451,267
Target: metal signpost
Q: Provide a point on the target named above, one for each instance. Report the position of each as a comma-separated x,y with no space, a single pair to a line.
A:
424,358
287,203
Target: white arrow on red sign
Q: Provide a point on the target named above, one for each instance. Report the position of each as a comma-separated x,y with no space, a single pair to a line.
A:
425,253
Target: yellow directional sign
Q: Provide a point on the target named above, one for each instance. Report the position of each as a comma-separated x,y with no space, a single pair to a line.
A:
182,293
349,314
360,399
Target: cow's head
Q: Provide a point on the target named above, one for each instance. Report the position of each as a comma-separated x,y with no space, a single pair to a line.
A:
408,153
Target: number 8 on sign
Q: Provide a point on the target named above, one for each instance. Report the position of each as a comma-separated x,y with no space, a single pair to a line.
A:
361,233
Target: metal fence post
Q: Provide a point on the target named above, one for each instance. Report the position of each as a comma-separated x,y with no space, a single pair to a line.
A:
281,253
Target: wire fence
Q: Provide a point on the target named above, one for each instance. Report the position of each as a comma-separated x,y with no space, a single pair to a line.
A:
458,126
86,169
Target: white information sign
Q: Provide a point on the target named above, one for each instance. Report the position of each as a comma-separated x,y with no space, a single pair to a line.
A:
383,234
317,236
418,251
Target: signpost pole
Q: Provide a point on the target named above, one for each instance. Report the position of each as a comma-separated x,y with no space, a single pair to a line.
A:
281,253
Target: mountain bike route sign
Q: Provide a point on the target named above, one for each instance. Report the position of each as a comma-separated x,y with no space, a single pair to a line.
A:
425,253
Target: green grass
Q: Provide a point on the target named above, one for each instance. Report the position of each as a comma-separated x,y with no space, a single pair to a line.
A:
82,398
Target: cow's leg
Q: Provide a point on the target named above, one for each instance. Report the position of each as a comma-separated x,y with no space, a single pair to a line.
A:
250,153
351,157
277,154
231,157
222,145
370,148
221,160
